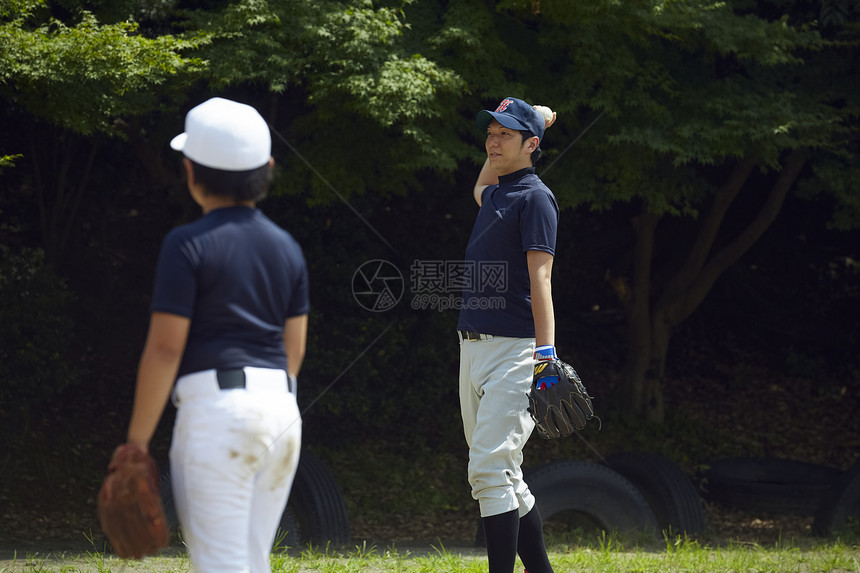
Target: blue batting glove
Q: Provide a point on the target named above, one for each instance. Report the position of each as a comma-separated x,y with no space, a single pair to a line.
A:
546,352
546,373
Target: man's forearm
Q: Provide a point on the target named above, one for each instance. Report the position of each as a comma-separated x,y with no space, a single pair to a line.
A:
486,177
159,363
543,313
540,275
154,382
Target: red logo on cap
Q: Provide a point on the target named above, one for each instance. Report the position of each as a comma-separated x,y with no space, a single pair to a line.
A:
504,105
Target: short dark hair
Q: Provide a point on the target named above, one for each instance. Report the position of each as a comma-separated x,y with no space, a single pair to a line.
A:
537,152
250,185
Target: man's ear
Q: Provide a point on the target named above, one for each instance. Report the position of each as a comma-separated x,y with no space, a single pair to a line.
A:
189,170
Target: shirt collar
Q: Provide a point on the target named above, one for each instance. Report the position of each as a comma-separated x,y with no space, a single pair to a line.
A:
516,174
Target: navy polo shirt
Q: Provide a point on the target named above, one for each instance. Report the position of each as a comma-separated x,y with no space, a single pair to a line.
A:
518,215
238,276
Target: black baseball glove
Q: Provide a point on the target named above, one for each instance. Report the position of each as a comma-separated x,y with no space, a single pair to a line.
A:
558,401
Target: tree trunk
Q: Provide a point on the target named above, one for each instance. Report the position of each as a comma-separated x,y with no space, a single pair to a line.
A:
60,183
650,326
639,390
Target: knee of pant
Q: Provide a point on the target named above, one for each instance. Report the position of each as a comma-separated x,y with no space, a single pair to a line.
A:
526,504
495,500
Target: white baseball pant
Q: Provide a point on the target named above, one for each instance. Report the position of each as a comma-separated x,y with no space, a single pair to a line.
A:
495,377
233,459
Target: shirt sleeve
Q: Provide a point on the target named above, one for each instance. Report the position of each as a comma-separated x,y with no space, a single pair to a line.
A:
539,222
175,278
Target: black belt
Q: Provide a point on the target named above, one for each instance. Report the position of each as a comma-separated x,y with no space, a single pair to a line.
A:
230,379
234,378
474,336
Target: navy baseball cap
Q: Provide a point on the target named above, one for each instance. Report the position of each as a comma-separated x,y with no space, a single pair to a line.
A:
514,113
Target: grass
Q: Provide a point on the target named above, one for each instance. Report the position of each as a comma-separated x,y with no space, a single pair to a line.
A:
606,554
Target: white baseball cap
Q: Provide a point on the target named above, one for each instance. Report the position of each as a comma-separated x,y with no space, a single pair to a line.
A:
225,134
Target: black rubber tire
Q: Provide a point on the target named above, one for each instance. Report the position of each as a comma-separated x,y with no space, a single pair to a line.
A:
608,499
772,485
840,505
289,535
315,512
670,492
317,504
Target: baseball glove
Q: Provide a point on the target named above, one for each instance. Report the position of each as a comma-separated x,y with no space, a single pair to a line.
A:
558,401
129,504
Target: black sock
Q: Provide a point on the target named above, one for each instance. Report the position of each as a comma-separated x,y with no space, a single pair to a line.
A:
501,533
530,544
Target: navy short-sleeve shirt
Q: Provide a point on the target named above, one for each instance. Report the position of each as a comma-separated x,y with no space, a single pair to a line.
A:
518,215
238,276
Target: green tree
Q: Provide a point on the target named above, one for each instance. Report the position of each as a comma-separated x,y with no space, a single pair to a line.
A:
358,105
703,104
335,79
68,86
700,96
354,110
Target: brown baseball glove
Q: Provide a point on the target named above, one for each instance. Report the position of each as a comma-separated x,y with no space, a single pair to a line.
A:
129,504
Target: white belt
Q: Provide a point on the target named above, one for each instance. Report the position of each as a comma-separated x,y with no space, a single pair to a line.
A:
251,379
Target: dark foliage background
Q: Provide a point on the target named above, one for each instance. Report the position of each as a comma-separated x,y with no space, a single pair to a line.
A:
769,364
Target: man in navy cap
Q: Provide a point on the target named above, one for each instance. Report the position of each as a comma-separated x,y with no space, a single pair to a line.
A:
506,327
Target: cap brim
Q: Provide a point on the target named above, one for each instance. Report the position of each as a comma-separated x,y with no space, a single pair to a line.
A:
484,118
178,142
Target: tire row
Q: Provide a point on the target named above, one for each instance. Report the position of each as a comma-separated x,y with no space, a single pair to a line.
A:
630,492
634,493
791,487
647,494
